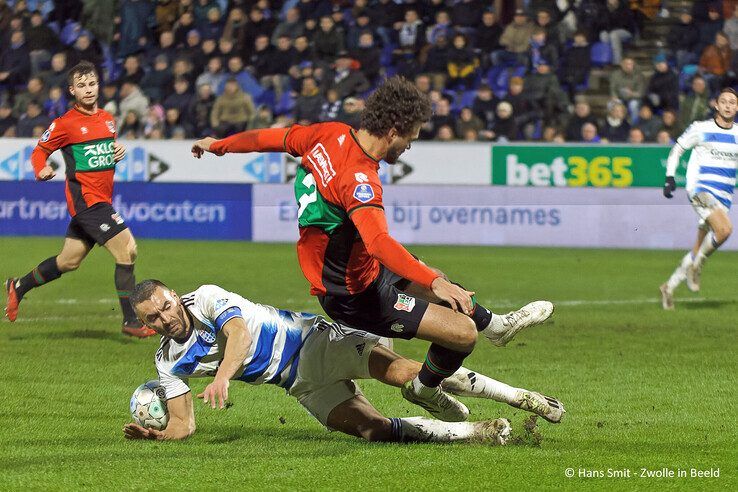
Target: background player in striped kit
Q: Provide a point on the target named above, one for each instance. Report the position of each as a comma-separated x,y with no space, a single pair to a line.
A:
213,332
711,173
86,137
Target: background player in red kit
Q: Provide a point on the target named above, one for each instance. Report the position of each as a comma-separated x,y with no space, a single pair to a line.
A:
362,276
86,137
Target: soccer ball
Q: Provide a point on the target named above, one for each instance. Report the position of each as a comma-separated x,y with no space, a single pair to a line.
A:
149,406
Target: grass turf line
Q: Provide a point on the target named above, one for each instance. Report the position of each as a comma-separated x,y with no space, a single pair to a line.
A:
643,388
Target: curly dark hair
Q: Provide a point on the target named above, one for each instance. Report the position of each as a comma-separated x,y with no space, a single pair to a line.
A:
397,104
82,68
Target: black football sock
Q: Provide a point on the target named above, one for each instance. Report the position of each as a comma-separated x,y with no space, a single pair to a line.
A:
480,315
440,363
44,273
125,280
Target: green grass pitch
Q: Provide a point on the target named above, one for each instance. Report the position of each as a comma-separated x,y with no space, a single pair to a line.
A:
643,388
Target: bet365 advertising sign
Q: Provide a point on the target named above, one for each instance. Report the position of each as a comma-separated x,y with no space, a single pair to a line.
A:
603,166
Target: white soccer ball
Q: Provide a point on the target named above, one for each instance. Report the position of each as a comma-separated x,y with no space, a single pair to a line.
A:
149,406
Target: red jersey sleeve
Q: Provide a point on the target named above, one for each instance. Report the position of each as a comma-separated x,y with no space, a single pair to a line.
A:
356,189
266,140
54,138
372,226
299,139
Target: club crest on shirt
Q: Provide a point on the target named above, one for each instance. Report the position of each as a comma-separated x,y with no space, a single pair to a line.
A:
364,192
111,126
404,303
220,303
206,335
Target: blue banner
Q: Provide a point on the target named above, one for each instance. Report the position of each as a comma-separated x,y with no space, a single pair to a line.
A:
151,210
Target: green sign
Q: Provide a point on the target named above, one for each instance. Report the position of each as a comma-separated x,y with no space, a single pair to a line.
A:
604,166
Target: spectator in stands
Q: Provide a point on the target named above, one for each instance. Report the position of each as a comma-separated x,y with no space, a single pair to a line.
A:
331,106
618,28
362,24
283,57
153,123
541,51
166,48
505,128
7,120
543,90
589,134
442,27
181,97
42,41
648,124
291,26
576,65
715,62
663,88
644,11
213,28
132,71
709,27
35,91
484,107
182,27
15,66
56,104
696,105
731,29
109,98
682,39
264,118
309,103
260,63
468,121
86,49
134,23
258,25
670,123
245,80
410,34
441,117
628,84
423,83
466,14
462,65
445,134
166,14
350,112
516,39
591,18
157,82
201,10
198,112
554,33
232,110
368,56
526,116
132,100
436,63
636,136
615,128
664,138
130,127
57,75
582,114
194,52
32,117
173,123
346,80
328,41
487,37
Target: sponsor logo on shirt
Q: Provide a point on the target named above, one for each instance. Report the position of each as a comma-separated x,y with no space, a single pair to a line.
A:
206,335
364,193
397,327
83,130
404,303
361,178
117,218
321,162
360,349
340,142
111,126
104,227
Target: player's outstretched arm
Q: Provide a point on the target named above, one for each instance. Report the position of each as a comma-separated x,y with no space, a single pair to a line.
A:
181,422
43,171
238,342
265,140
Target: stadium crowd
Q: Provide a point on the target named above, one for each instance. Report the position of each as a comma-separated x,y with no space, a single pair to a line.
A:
500,70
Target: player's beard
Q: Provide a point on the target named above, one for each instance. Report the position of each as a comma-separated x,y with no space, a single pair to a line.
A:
393,155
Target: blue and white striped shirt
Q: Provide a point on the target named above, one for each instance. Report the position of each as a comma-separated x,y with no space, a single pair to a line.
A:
277,337
712,165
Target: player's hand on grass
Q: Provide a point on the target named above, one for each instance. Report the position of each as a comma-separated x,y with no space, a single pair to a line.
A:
669,186
202,146
135,431
458,298
119,152
218,389
46,173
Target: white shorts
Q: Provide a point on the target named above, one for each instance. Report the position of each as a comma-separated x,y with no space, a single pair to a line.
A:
330,359
705,204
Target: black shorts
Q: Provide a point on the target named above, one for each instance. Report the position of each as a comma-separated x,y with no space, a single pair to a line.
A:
97,224
382,309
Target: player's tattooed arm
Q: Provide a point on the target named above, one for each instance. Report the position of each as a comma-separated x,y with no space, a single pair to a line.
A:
237,346
181,422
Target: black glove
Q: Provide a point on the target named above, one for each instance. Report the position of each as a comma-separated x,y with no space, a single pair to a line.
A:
669,186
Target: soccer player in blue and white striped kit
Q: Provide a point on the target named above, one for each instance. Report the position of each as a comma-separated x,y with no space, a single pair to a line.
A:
215,333
711,173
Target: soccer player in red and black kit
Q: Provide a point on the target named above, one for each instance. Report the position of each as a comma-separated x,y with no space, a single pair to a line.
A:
86,137
362,276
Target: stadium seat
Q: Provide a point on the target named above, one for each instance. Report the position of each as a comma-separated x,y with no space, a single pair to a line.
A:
601,54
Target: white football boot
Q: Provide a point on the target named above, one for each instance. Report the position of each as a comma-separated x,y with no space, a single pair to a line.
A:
694,272
436,402
496,432
547,407
503,328
667,297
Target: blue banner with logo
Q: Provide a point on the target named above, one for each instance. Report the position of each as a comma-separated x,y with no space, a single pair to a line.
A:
151,210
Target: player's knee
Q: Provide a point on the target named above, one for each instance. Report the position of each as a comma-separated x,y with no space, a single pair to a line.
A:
132,251
67,264
467,334
723,233
376,429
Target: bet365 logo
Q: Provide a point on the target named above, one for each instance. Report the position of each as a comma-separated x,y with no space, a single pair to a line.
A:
575,171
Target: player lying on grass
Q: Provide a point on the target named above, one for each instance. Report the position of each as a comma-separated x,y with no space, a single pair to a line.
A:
215,333
362,277
710,182
86,137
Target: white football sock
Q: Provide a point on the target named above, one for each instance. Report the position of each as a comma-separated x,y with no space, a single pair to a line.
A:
425,429
680,274
469,383
707,248
421,389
